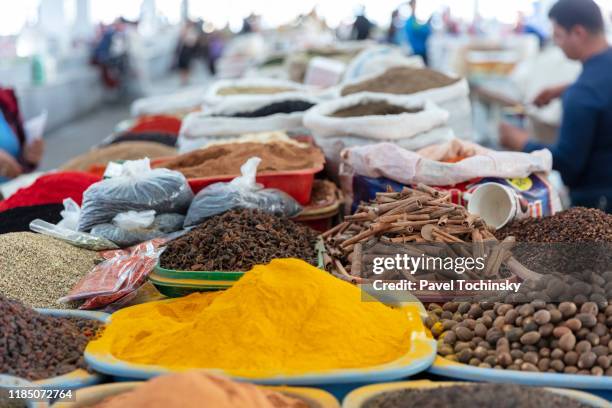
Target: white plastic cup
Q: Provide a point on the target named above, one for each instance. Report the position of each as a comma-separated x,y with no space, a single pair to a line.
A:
496,204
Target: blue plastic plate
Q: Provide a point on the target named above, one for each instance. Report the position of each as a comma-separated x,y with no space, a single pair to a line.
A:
453,369
420,356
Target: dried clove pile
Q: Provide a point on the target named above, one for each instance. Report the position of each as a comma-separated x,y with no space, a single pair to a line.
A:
35,346
413,217
239,239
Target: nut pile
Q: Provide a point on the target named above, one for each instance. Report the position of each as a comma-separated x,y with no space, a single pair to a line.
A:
411,217
35,346
537,336
37,269
238,240
476,395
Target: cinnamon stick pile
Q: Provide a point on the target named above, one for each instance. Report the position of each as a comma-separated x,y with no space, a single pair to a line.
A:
415,217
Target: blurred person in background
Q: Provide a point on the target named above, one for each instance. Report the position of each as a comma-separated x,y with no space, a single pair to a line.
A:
17,156
111,52
362,26
583,151
417,33
392,32
188,47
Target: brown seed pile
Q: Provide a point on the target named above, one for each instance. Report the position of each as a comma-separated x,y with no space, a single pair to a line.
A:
239,239
35,346
476,395
402,80
37,269
373,108
535,336
567,242
119,151
226,159
577,224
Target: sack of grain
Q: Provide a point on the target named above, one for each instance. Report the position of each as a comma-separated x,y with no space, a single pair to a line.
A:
363,119
236,117
251,90
449,93
376,60
185,100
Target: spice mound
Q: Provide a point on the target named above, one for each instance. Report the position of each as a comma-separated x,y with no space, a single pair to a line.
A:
35,346
477,395
51,188
197,389
577,224
566,337
119,151
286,317
402,80
239,239
226,159
19,218
289,106
373,108
37,269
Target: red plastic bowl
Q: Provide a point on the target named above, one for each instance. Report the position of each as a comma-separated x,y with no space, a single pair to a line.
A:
296,183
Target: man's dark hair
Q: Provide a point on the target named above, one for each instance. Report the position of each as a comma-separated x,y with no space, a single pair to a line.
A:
570,13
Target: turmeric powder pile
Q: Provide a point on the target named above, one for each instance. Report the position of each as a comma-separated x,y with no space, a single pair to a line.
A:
195,389
286,317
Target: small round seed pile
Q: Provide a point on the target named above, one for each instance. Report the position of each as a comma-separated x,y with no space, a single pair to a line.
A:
38,270
476,395
36,346
536,336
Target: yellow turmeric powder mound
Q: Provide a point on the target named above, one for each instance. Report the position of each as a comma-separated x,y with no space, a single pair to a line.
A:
286,317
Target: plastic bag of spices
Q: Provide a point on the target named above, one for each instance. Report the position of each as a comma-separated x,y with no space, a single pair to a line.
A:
241,192
122,272
133,227
134,186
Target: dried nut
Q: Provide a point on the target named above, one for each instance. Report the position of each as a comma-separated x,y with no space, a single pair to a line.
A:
544,364
516,354
556,354
590,308
583,346
541,317
449,337
504,359
528,367
567,309
514,334
555,316
600,350
597,371
475,311
526,310
587,360
557,365
461,345
463,307
574,324
510,316
593,339
465,355
560,331
449,324
570,358
480,330
570,370
587,319
546,329
463,333
493,335
567,342
603,361
445,350
531,357
530,338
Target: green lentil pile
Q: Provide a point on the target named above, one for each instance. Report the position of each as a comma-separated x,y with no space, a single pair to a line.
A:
38,270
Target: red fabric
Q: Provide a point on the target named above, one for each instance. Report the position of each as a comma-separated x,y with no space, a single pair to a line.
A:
51,188
157,123
10,109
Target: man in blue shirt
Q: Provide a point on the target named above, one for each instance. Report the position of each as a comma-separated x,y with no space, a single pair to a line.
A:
583,151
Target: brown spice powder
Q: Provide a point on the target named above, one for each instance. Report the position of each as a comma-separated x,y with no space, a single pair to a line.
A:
402,80
226,159
373,108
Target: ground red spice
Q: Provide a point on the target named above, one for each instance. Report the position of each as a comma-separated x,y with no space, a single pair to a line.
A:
157,123
51,188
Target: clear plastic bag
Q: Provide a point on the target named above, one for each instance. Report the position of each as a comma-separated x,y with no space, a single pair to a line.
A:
136,188
76,238
133,227
241,192
70,215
